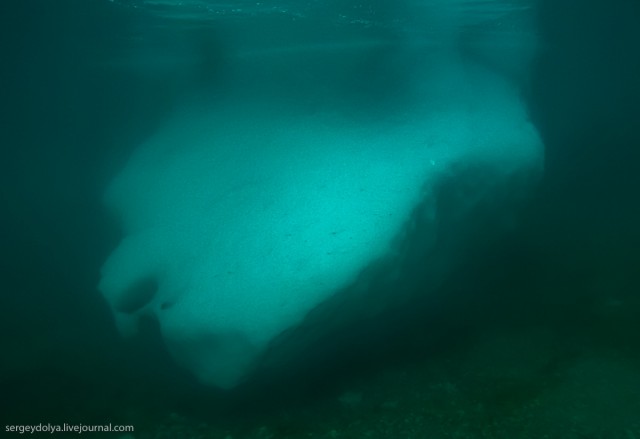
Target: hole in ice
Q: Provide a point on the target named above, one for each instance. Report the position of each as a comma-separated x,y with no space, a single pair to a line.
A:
138,295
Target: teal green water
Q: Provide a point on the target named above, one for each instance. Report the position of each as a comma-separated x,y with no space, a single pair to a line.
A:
539,336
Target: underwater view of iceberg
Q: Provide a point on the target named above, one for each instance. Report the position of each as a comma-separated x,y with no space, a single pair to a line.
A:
325,218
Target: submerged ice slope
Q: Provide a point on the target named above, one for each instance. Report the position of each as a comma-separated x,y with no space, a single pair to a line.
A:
241,219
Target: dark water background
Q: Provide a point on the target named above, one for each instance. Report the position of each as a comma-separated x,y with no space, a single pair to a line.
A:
67,125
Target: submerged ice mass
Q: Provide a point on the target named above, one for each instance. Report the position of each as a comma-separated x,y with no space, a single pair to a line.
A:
241,217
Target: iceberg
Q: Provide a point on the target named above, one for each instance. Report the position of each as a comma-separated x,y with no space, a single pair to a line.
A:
245,219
